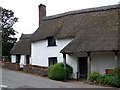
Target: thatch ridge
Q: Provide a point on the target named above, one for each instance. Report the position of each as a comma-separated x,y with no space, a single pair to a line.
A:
95,9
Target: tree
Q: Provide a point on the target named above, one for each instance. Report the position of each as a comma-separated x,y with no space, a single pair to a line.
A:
6,24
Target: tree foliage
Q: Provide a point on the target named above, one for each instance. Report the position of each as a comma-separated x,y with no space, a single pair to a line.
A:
6,24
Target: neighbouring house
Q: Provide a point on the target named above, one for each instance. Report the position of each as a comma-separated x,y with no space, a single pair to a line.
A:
20,53
88,39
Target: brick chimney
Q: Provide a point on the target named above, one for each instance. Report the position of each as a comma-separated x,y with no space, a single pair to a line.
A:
42,12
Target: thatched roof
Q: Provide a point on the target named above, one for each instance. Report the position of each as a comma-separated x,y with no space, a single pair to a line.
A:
94,29
22,46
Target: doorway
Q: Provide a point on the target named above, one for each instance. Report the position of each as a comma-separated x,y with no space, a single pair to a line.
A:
83,68
27,59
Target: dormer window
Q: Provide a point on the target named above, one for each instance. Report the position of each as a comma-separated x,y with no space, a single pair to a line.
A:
51,41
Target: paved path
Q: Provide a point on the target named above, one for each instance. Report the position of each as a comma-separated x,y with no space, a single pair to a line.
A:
13,79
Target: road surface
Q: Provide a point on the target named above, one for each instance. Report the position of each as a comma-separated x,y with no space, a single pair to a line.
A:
13,79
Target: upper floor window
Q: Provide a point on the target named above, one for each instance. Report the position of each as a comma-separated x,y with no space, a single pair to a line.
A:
51,41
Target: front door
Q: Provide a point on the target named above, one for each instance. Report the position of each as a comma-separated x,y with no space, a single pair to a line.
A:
83,67
27,59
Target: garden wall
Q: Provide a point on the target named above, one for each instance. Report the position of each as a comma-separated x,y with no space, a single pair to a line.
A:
38,70
11,66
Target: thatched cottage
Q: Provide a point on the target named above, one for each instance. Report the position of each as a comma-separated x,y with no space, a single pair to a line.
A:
20,53
87,39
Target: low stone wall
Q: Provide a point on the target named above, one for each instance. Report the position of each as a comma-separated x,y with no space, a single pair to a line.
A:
38,70
109,71
11,66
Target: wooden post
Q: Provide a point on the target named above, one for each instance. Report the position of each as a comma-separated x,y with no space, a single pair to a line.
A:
78,70
116,59
89,64
64,62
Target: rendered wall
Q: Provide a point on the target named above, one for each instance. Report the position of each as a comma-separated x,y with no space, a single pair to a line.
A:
99,62
40,52
102,60
72,61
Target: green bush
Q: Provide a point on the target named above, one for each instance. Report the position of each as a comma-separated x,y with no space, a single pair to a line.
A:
107,79
100,79
49,73
93,76
111,80
116,72
57,71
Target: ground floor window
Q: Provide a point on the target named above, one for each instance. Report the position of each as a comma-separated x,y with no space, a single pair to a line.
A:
52,60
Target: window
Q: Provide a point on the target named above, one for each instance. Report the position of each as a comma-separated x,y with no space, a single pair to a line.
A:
51,41
52,60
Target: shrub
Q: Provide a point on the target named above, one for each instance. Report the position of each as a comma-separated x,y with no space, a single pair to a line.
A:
108,79
93,76
100,79
116,72
57,71
49,73
111,80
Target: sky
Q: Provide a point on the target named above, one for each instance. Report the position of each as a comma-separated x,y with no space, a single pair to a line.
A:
27,10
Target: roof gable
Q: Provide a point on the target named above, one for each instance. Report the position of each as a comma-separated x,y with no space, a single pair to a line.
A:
22,46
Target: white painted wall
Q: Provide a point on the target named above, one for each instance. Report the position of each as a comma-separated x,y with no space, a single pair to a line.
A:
102,60
72,61
30,60
40,51
99,62
22,61
13,58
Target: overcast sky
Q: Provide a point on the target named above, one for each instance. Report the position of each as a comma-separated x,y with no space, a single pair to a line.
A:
27,10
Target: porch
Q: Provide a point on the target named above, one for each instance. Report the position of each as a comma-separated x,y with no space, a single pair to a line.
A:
86,62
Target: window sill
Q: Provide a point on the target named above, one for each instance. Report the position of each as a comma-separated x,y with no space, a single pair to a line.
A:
52,46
